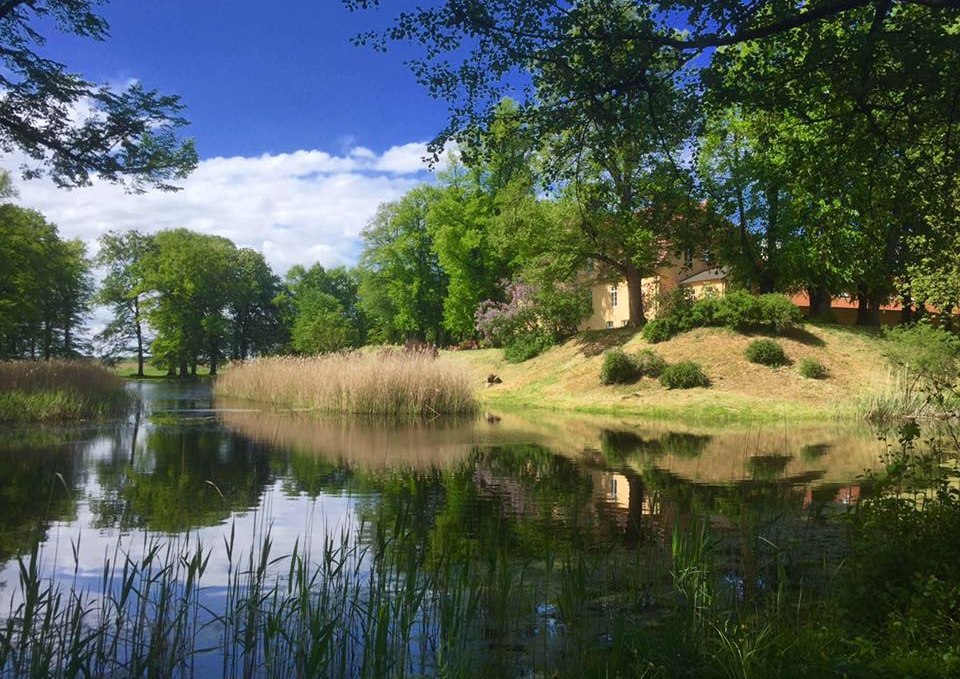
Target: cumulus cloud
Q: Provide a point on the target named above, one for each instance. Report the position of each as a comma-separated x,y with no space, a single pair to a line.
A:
296,208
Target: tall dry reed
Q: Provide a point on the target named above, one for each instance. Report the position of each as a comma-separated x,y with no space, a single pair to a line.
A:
392,384
58,390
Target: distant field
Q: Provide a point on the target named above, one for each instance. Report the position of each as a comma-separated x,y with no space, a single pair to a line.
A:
128,369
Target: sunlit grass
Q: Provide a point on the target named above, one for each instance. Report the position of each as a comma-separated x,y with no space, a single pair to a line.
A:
47,391
382,384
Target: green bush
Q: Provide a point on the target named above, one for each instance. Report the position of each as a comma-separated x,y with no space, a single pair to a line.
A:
684,375
658,330
649,363
618,368
526,346
812,369
779,312
738,310
765,352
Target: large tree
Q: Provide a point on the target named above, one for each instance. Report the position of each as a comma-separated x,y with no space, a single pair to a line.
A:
402,284
70,128
121,256
45,287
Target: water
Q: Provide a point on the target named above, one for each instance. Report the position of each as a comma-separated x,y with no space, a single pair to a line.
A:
539,493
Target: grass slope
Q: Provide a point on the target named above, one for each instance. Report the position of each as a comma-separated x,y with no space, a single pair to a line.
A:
567,376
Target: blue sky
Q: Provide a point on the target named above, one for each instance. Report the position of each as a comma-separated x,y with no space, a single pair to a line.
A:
263,77
301,134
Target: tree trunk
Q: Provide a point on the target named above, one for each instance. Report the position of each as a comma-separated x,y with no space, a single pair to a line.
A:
184,367
819,301
139,330
635,295
868,307
907,314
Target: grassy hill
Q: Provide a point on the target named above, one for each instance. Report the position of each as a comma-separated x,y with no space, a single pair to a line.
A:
567,376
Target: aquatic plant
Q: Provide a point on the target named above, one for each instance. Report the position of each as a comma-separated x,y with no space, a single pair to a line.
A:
45,391
387,383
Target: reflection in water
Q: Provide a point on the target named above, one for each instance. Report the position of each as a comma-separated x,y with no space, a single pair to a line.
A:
554,494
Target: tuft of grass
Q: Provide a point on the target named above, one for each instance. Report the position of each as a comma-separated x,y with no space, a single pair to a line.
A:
892,397
812,369
390,384
49,391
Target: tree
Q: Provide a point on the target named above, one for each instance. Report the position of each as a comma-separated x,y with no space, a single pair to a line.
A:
460,223
321,326
402,285
189,278
865,144
122,289
254,312
474,49
45,286
333,293
126,136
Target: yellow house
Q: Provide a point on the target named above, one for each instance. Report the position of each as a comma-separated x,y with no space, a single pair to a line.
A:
611,301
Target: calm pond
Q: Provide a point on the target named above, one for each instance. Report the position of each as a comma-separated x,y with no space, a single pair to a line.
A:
503,545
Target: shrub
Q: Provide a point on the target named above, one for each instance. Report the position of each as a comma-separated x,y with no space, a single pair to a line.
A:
812,369
649,363
779,312
684,375
765,352
524,347
658,330
738,310
618,368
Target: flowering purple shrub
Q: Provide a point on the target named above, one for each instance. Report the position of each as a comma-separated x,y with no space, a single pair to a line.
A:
532,316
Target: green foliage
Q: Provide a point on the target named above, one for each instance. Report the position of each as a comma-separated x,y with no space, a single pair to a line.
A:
127,135
684,375
902,585
812,369
765,352
930,356
45,287
649,363
658,330
121,254
737,310
402,285
618,368
320,326
526,346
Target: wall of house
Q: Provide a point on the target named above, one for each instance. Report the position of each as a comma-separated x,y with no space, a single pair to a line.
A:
605,314
703,289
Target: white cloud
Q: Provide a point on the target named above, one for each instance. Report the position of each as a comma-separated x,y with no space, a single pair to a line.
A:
296,208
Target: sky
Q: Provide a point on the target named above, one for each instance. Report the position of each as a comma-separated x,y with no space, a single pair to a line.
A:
301,134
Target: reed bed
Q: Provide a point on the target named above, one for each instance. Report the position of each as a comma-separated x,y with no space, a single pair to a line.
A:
44,391
384,384
894,396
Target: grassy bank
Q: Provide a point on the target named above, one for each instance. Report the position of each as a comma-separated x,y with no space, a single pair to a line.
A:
567,377
385,383
51,391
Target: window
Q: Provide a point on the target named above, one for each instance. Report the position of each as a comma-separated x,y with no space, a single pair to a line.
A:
613,295
625,322
609,325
